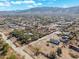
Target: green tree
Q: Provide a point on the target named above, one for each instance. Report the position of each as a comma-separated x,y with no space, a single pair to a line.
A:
5,49
12,57
59,51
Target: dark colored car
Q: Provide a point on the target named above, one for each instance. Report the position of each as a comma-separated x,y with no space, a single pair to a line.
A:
74,48
56,42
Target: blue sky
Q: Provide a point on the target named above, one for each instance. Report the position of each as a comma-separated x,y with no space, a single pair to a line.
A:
6,5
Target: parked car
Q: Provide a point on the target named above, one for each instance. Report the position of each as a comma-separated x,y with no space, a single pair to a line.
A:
74,48
56,42
64,39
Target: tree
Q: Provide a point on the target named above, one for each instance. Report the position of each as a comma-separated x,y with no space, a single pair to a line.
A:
12,57
37,51
53,55
5,49
21,36
59,51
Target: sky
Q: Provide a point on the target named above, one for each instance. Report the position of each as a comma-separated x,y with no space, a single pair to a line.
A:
10,5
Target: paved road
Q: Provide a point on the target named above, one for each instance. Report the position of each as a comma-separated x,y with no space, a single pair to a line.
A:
17,50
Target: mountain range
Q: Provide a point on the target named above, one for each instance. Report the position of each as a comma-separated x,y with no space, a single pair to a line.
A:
43,10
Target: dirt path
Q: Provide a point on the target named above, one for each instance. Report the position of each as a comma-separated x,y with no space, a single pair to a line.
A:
17,50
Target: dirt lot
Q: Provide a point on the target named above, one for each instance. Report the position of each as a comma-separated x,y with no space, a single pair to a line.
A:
46,48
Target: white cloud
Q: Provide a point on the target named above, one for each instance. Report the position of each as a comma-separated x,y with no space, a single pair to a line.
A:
17,2
33,5
65,6
39,3
5,4
21,2
29,3
3,0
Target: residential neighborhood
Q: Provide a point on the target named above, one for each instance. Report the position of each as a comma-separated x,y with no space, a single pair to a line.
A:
39,29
